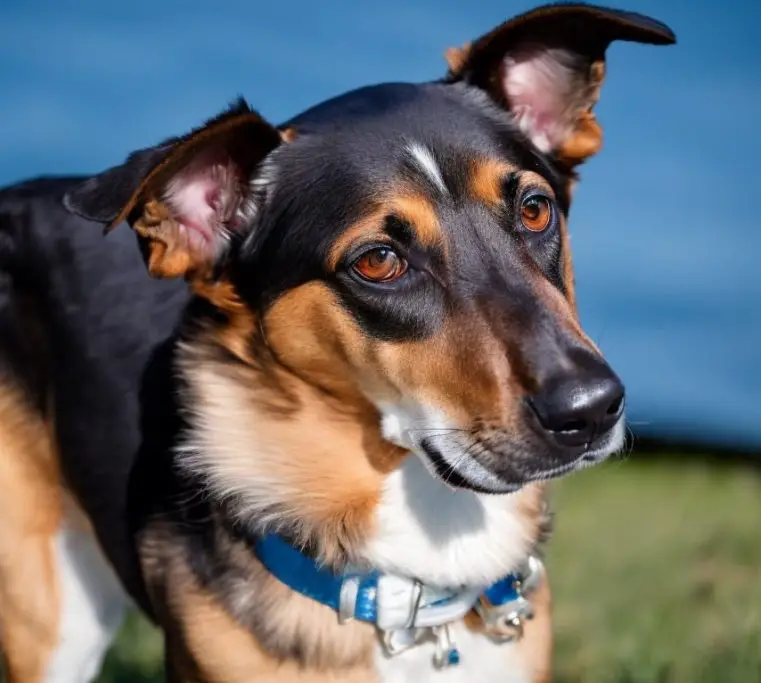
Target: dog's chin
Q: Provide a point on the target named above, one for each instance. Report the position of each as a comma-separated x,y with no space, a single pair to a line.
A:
465,472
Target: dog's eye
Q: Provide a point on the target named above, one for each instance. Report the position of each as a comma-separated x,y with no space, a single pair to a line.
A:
536,213
381,264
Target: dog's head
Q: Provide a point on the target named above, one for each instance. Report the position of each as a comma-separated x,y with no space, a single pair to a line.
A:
404,247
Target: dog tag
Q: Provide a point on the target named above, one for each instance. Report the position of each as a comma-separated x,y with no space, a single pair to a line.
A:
401,639
447,653
504,623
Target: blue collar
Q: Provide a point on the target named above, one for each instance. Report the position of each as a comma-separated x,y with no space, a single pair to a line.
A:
395,604
303,575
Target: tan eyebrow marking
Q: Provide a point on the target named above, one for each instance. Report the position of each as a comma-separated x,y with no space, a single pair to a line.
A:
486,179
412,207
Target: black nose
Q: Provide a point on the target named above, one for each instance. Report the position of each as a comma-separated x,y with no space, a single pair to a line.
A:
577,407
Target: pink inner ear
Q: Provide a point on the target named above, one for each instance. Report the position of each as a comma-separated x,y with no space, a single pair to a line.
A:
203,199
539,85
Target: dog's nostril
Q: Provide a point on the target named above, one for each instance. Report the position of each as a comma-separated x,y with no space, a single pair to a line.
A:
573,426
615,407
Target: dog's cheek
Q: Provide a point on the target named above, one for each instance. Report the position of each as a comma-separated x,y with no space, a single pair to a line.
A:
455,378
310,333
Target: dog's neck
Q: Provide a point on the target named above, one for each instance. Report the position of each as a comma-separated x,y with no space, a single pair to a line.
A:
284,456
275,453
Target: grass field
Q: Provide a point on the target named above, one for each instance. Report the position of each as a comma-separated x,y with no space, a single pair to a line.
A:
656,569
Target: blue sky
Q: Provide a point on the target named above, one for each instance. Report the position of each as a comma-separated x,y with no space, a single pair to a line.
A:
665,224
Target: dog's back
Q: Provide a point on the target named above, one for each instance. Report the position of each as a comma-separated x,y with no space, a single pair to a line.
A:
79,322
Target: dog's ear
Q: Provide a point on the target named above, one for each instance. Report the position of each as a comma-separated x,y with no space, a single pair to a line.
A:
546,68
185,197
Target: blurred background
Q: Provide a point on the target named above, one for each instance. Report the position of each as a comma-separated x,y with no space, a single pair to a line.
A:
656,560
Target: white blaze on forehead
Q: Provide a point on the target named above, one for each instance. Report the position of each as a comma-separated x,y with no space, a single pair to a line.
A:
424,161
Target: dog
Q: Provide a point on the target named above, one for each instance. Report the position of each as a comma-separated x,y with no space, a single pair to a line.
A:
314,446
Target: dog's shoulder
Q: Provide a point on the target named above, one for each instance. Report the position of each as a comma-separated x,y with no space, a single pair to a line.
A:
82,323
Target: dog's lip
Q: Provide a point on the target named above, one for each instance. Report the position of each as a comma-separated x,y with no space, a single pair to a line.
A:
592,454
560,470
585,457
442,470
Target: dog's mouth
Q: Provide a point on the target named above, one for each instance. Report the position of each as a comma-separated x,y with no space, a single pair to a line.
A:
454,476
512,466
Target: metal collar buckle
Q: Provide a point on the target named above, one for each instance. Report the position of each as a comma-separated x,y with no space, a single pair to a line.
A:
407,613
430,617
505,623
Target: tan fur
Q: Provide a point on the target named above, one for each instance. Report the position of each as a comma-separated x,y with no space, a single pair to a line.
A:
313,336
537,643
487,178
221,294
169,252
535,180
569,278
288,134
329,467
328,371
218,132
456,57
369,227
30,515
207,645
405,204
486,181
586,139
417,210
235,336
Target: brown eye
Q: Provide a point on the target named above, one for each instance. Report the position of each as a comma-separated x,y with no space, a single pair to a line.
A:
380,265
536,213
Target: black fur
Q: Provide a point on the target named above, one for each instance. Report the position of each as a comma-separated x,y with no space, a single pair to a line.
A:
99,319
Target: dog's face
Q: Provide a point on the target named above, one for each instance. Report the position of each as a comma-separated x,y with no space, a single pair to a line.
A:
421,262
405,246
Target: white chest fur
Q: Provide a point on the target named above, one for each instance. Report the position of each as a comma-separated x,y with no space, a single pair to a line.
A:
482,661
447,537
443,536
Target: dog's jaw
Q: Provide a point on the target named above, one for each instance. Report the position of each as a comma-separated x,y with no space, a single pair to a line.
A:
402,426
415,525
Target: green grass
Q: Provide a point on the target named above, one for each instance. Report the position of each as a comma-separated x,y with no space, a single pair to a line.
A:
656,572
